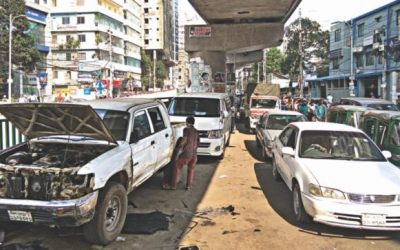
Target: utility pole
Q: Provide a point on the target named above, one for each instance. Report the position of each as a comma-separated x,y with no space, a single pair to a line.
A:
351,84
301,56
21,86
110,86
258,72
154,69
264,51
383,84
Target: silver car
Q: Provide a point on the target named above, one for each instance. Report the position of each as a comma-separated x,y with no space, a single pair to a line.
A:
270,125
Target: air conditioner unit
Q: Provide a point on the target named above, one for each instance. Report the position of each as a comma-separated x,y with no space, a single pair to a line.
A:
375,46
359,70
381,47
358,49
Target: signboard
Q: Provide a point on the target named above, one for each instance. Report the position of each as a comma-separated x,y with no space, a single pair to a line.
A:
36,15
200,31
43,80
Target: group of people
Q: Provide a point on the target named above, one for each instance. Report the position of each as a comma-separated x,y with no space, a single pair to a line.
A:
184,154
314,110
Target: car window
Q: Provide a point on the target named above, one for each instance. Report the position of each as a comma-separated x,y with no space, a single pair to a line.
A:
338,145
278,122
288,138
369,128
156,119
381,106
263,103
394,134
141,125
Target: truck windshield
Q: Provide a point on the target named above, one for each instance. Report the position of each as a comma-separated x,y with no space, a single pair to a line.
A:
116,121
263,103
201,107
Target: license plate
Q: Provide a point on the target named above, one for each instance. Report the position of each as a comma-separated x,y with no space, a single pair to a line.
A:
16,215
373,219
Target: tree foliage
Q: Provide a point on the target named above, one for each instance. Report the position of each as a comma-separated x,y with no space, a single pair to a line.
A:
147,71
315,44
23,43
274,60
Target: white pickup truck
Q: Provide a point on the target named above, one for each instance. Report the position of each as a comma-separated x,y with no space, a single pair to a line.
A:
80,161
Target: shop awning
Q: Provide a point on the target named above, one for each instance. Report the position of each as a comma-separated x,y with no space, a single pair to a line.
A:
116,83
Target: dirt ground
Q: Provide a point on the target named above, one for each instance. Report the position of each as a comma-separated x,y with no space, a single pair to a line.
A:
234,204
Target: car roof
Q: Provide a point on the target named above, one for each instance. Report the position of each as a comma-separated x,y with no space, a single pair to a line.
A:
366,100
354,108
282,112
204,95
121,104
323,126
382,114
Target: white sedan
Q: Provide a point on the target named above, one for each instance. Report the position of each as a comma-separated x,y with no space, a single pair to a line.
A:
337,176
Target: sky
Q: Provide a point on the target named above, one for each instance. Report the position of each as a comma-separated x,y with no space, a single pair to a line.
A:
328,11
323,11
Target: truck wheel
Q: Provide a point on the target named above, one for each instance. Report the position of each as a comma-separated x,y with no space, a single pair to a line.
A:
110,215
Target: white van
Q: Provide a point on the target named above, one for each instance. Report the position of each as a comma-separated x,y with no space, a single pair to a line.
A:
213,119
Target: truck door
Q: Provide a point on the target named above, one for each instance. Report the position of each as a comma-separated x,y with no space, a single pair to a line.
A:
144,152
163,137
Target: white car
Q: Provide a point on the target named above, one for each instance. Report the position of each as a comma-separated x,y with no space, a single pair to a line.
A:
337,176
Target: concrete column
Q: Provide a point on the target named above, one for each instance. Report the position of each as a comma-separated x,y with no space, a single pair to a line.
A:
216,59
393,81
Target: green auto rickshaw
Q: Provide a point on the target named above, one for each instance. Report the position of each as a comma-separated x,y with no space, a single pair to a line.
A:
345,114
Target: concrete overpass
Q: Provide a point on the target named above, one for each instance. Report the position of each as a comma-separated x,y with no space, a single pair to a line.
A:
237,30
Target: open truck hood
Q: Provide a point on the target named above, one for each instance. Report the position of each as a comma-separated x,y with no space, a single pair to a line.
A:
47,119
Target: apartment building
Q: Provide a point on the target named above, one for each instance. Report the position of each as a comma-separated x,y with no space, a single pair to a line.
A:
96,40
364,56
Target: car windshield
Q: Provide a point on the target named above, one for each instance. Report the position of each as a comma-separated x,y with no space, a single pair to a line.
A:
116,122
394,134
384,106
200,107
278,122
338,145
263,103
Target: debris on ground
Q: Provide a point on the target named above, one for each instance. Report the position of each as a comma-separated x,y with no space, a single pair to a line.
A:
34,245
194,247
229,231
120,238
222,176
207,223
147,223
256,188
257,230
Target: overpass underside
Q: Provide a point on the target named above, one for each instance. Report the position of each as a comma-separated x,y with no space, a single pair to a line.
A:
237,31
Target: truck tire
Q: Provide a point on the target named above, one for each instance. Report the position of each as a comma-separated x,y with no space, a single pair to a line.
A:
109,218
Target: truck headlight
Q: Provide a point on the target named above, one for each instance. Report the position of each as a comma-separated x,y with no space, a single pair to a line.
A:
215,134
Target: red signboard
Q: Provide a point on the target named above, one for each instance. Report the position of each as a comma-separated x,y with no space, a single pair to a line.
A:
200,31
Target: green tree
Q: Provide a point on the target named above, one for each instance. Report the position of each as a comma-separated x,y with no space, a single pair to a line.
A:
315,47
146,66
23,43
147,71
161,73
274,60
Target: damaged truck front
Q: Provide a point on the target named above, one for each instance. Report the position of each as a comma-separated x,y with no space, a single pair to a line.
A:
80,161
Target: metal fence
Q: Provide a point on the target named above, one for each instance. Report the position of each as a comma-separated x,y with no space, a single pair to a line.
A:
9,134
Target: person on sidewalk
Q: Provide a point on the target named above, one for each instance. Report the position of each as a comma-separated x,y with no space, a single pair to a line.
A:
320,111
188,157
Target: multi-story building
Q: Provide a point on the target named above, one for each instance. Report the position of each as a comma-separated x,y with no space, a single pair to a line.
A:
96,40
159,31
364,56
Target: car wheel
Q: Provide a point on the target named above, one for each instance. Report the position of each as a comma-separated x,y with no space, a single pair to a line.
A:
298,207
110,215
275,173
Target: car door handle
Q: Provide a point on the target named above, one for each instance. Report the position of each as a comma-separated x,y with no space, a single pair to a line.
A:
166,135
153,142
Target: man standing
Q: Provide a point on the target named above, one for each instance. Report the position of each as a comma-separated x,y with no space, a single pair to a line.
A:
188,157
320,111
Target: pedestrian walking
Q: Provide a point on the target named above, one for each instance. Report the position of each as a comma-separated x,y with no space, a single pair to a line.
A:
303,107
320,111
188,156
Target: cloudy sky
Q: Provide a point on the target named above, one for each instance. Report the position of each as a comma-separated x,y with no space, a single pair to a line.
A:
323,11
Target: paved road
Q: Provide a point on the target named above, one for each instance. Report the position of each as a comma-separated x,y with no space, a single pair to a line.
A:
235,204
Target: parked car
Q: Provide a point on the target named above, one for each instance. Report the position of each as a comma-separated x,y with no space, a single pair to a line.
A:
373,103
345,114
383,127
338,176
270,125
213,119
80,161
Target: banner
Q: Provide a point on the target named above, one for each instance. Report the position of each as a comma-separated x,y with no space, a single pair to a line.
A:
200,31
